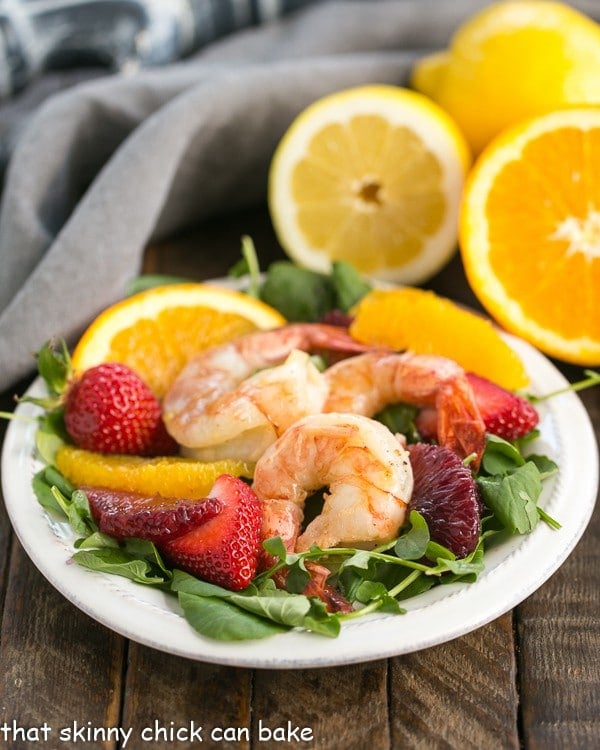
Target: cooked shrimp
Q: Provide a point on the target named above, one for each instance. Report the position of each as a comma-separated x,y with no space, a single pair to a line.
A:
368,382
365,468
226,404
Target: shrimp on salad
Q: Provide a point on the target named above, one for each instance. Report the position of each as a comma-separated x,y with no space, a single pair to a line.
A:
367,472
368,382
234,400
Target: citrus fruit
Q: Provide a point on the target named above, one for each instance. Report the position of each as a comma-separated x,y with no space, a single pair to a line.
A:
169,476
510,61
155,332
372,176
530,232
426,323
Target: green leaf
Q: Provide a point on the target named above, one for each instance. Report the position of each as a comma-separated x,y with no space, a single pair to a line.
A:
546,466
412,545
44,494
117,562
513,497
500,456
96,540
152,280
400,418
297,293
50,436
54,366
349,286
221,620
276,548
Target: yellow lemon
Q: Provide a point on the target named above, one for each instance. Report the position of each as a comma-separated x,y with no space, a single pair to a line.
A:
513,60
157,331
370,175
530,232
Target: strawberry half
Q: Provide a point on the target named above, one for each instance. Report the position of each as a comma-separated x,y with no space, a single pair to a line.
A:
224,550
504,413
110,409
158,519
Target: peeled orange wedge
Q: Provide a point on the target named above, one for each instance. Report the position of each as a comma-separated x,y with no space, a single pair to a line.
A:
157,331
169,476
426,323
370,175
530,232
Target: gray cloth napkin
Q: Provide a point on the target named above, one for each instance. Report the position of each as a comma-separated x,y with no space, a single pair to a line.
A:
113,164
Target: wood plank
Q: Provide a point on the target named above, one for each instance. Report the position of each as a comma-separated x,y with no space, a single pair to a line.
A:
56,664
461,694
343,707
559,634
165,693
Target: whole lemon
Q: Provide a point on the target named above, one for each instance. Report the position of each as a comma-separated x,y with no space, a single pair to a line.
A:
512,60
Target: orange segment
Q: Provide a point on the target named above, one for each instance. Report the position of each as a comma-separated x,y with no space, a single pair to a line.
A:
530,232
425,323
157,331
170,476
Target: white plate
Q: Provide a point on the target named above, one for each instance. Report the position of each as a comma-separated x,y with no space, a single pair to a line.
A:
513,570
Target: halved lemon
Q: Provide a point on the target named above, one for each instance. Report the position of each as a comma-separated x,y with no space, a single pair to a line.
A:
530,232
370,175
155,332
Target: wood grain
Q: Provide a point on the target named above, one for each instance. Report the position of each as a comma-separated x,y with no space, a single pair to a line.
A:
56,664
559,636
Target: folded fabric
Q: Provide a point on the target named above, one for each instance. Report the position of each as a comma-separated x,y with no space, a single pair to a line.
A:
105,168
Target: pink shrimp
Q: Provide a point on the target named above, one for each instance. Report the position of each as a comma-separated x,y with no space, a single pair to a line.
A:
233,400
368,382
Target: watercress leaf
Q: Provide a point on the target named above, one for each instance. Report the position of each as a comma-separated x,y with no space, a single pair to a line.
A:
95,541
117,562
44,494
546,466
50,436
466,569
370,591
500,456
297,293
186,583
400,418
54,477
221,620
318,620
297,577
412,545
275,547
80,503
513,497
360,560
436,551
349,286
148,551
54,365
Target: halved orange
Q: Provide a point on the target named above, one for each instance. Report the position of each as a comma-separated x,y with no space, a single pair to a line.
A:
155,332
169,476
426,323
530,232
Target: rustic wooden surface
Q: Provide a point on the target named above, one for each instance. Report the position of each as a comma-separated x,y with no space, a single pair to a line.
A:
530,679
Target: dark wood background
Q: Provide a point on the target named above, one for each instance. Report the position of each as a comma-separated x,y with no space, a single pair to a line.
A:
529,679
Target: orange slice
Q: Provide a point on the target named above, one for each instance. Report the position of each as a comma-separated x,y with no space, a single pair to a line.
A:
530,232
157,331
170,476
425,323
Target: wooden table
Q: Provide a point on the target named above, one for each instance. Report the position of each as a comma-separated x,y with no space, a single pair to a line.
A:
529,679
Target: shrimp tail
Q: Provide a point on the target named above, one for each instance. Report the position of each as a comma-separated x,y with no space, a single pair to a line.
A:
460,426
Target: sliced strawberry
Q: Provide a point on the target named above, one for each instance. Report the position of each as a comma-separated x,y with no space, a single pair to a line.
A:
446,495
504,413
158,519
110,409
225,549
